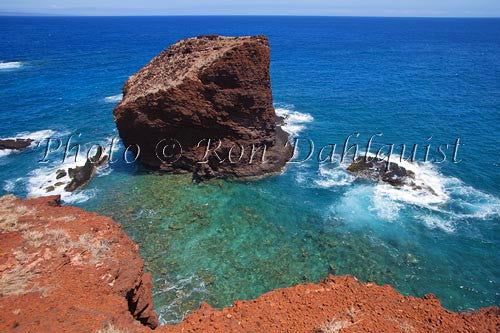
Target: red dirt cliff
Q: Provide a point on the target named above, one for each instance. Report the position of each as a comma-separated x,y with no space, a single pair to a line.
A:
66,270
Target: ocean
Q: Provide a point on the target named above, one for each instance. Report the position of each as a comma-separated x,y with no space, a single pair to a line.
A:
411,80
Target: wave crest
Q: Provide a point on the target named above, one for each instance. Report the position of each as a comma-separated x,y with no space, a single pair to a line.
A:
294,121
11,65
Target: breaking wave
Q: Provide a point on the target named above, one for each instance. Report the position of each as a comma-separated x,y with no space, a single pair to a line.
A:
37,136
11,65
44,181
11,184
5,152
294,121
330,175
439,201
430,190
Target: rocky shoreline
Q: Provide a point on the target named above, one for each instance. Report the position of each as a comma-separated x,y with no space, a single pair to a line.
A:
63,269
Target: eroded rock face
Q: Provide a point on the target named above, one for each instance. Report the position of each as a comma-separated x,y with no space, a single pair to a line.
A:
66,270
209,87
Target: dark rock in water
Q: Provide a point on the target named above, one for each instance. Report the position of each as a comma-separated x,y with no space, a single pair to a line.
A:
15,144
81,175
61,173
376,168
280,121
50,188
209,87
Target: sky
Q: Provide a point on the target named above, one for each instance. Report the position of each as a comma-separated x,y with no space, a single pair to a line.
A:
425,8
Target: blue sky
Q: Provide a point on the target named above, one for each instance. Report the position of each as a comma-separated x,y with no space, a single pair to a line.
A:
461,8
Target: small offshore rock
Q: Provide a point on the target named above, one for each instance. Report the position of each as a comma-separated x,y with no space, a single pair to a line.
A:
61,173
376,168
81,175
15,144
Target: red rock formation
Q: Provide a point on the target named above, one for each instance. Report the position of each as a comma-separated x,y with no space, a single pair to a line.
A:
338,304
202,88
66,270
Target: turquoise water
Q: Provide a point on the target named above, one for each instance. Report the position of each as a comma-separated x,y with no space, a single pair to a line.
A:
218,241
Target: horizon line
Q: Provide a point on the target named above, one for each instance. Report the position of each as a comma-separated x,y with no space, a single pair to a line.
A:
16,14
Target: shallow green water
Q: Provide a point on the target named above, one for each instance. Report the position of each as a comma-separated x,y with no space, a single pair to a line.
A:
221,240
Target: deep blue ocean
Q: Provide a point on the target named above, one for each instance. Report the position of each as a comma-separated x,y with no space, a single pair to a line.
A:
417,81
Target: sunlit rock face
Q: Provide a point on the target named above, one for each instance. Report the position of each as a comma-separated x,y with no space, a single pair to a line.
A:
200,89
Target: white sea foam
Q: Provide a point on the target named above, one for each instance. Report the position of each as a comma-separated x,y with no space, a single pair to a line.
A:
116,146
330,176
385,208
5,152
426,190
41,178
10,65
445,200
429,189
114,98
352,206
294,121
104,170
11,184
436,222
470,202
361,206
37,136
181,291
107,168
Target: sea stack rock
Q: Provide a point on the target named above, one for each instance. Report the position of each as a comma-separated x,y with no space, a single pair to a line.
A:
204,105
